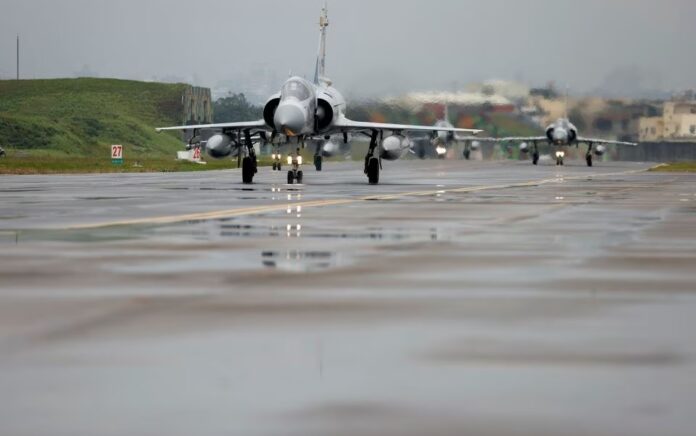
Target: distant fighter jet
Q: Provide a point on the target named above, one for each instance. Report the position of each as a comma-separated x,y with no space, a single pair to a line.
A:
560,134
445,140
305,110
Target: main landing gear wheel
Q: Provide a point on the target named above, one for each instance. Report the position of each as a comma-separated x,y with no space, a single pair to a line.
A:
535,158
318,160
559,161
373,171
467,154
588,158
248,170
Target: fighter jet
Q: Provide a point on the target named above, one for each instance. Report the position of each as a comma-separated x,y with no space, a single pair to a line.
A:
445,140
559,135
304,110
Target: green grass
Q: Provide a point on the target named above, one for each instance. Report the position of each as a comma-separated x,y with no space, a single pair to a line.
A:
83,117
60,164
676,167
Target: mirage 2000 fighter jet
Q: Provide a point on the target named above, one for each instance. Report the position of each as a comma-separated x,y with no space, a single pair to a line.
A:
305,110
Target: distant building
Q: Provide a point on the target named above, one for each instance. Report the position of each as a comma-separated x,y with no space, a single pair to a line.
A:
417,100
677,123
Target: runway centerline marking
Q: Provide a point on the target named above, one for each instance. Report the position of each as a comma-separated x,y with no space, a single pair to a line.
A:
231,213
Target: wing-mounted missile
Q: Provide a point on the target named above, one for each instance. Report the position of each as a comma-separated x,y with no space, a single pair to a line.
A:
220,146
394,147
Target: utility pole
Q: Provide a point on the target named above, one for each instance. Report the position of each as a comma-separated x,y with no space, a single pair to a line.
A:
17,57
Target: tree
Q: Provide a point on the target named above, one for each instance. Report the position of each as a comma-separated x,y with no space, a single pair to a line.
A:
235,108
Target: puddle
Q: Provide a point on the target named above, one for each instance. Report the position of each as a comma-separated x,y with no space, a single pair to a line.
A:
105,198
301,261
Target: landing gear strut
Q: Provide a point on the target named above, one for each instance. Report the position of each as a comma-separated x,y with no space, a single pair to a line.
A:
249,164
588,156
372,162
318,157
535,155
467,150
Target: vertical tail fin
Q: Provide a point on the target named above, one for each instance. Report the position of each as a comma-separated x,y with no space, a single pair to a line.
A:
320,68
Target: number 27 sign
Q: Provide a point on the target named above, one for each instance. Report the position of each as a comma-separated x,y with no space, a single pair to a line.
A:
117,154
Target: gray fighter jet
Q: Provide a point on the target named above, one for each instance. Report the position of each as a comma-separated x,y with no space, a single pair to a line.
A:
559,135
445,140
303,111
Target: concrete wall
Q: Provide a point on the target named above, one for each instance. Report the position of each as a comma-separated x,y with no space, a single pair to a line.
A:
198,106
658,152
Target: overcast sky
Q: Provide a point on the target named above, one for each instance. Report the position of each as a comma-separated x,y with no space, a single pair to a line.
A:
375,47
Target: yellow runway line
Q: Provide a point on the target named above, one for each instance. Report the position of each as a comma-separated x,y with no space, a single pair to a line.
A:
230,213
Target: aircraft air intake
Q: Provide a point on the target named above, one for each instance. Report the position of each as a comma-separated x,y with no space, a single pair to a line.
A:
269,111
325,114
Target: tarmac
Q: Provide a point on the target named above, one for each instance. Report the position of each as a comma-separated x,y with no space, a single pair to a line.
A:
455,298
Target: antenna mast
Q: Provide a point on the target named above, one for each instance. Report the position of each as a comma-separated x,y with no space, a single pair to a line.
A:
17,57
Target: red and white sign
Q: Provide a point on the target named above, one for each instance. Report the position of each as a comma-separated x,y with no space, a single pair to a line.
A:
196,154
117,152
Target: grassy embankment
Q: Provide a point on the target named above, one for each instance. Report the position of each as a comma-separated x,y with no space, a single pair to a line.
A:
676,167
68,126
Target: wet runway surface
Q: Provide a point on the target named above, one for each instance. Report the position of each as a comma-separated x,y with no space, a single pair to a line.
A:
455,298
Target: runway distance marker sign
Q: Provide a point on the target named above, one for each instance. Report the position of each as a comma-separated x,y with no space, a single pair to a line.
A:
117,154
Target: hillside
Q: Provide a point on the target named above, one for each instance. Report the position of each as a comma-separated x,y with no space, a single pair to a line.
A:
83,117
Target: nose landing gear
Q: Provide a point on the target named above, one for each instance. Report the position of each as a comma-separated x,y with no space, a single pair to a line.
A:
588,156
535,155
277,160
295,174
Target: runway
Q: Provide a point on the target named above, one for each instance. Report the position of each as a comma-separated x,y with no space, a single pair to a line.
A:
483,298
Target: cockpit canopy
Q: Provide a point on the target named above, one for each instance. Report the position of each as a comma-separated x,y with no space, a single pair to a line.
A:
295,88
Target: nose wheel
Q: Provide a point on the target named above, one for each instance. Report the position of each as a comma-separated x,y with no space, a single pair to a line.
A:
318,160
588,156
295,174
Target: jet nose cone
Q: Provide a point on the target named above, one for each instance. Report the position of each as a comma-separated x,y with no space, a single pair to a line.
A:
560,135
289,119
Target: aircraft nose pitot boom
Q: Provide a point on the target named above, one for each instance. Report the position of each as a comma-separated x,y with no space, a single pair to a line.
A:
289,119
